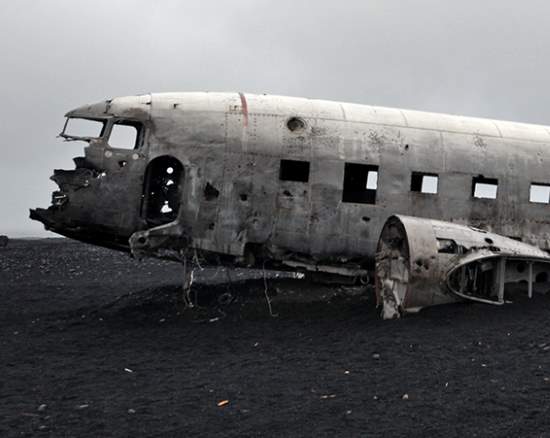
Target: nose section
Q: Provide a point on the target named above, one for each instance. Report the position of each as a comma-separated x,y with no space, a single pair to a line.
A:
85,232
95,205
79,211
100,201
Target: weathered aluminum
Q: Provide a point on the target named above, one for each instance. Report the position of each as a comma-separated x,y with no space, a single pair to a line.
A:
233,203
423,262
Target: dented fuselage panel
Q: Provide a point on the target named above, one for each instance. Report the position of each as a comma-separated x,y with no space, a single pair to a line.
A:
296,183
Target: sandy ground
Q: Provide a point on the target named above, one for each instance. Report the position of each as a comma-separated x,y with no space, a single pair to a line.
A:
93,344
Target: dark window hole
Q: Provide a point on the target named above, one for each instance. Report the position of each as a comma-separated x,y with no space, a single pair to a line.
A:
360,183
294,170
162,190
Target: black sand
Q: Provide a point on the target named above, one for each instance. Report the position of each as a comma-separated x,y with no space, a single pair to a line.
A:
323,367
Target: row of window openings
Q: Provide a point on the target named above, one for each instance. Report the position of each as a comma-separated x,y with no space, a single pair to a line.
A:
125,134
361,183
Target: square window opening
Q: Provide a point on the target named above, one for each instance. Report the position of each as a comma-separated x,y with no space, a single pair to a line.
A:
294,170
360,183
424,183
539,193
484,188
125,135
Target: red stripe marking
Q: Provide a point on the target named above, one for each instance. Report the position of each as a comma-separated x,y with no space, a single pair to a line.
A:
244,106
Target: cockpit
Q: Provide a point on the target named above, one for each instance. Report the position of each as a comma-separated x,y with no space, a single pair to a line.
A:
117,133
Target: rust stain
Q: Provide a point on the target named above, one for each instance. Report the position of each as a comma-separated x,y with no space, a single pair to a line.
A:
244,106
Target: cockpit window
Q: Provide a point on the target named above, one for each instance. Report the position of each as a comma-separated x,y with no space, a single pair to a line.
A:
82,129
126,135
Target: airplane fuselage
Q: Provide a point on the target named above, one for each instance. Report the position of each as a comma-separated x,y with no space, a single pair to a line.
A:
306,183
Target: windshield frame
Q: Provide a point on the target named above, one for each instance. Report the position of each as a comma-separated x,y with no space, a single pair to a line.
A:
70,137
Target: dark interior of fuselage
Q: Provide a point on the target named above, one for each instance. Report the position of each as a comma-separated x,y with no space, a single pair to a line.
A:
161,190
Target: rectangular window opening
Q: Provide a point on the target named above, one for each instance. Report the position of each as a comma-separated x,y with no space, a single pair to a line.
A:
484,188
360,183
126,135
539,193
82,129
424,182
294,170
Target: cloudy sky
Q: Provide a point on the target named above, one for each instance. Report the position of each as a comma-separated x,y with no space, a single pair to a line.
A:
482,58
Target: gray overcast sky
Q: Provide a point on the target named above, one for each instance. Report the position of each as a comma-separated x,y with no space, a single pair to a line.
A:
482,58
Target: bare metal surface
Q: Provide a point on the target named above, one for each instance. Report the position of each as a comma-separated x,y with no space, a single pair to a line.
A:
422,262
227,148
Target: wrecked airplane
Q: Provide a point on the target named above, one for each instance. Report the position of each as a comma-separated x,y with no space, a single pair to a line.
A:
431,208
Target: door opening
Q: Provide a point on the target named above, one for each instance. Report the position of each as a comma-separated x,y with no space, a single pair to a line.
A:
162,190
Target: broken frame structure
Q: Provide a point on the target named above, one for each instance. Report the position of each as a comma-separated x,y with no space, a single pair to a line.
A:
422,262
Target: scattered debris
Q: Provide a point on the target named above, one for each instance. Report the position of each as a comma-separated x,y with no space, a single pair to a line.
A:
42,407
267,297
84,406
223,403
405,397
131,411
128,370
